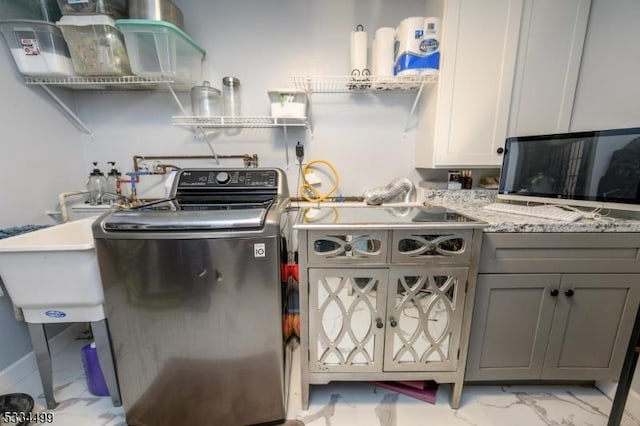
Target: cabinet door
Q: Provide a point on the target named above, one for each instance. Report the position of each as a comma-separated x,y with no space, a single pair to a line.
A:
424,318
346,319
592,324
479,46
512,319
548,62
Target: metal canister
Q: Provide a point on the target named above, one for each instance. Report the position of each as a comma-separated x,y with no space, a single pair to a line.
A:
205,100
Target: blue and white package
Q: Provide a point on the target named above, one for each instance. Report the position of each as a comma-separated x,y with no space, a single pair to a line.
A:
417,46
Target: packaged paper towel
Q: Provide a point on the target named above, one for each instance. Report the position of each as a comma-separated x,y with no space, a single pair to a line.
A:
417,46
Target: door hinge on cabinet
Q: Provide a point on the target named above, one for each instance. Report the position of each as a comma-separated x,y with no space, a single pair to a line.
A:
466,287
458,356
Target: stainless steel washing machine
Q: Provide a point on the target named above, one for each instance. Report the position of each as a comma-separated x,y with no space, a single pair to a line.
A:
193,300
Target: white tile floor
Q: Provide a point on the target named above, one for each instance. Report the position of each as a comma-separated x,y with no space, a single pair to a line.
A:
355,404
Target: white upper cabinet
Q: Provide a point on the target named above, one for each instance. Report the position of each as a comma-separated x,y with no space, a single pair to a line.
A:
509,67
549,56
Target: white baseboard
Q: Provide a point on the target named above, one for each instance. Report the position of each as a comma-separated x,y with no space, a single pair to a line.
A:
26,365
632,407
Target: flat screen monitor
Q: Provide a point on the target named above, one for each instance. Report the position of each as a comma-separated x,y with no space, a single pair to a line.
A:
598,169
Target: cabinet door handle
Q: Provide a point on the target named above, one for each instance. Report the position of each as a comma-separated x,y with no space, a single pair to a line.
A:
555,292
393,322
379,323
500,150
569,293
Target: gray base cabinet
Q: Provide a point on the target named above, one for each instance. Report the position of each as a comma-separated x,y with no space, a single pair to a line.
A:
553,326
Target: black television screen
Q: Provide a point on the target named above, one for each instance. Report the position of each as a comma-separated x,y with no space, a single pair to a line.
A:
589,167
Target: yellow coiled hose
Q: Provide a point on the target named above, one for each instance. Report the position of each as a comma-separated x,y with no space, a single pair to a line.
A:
310,192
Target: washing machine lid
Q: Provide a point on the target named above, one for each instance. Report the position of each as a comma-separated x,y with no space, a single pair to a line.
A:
186,220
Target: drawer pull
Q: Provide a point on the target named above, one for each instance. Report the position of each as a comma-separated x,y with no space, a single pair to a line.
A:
555,292
569,293
393,322
379,323
347,247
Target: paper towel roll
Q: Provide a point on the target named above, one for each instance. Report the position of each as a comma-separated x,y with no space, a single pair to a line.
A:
358,51
382,55
431,45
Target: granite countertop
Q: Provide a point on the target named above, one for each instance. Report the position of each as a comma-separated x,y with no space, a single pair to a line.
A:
470,203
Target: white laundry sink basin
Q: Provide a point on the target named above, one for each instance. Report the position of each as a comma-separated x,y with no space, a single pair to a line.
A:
53,274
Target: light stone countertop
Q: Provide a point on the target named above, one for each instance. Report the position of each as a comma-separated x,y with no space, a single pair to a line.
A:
470,203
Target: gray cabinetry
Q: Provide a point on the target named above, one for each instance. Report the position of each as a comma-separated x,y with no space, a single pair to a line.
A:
510,327
560,325
592,324
386,304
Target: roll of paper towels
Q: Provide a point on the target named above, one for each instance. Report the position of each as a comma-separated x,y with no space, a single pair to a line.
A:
417,46
382,54
359,52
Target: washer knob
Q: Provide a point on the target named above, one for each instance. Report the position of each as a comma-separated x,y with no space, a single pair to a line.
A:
223,177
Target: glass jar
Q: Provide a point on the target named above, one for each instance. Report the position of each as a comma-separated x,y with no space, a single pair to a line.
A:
205,100
231,96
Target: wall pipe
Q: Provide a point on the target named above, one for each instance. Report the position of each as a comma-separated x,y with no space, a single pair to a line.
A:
249,159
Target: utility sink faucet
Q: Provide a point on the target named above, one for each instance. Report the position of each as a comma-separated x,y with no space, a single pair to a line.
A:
111,195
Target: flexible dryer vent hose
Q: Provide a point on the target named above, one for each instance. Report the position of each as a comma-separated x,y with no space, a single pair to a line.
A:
393,191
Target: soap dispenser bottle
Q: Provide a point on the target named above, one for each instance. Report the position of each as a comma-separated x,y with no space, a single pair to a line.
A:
96,183
113,179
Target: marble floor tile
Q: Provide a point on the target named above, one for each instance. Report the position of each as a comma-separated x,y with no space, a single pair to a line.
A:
355,403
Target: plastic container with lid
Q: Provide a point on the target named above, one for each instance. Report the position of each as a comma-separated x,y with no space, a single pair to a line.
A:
96,45
114,8
37,47
158,48
39,10
205,100
288,103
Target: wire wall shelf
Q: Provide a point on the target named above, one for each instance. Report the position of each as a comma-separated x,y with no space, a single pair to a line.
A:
349,84
238,122
131,82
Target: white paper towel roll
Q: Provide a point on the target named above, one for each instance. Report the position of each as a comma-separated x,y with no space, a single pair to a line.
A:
358,51
382,55
431,44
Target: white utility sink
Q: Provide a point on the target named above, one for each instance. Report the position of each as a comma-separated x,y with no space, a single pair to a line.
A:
53,274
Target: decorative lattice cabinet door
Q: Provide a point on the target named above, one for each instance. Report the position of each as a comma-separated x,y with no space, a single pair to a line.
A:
424,318
346,319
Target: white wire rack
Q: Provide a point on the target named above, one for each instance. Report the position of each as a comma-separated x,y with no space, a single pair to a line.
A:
130,82
347,83
238,122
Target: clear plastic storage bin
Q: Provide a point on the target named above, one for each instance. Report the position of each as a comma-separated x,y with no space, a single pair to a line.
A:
114,8
40,10
159,48
96,45
37,47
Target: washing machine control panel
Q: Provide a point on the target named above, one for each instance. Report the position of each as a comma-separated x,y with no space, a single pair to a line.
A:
234,178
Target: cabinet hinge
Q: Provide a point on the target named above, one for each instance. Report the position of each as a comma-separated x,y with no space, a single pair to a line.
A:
458,356
466,287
